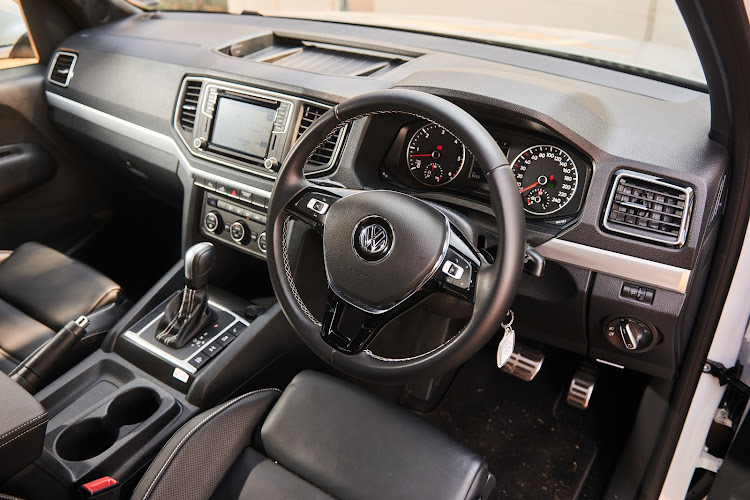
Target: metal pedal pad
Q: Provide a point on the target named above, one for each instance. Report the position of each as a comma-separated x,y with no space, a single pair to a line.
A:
582,386
524,363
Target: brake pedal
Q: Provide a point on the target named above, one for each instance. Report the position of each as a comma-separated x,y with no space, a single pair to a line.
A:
582,386
524,363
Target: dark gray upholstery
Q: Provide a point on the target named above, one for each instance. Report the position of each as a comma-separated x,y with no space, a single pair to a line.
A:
40,291
323,438
198,456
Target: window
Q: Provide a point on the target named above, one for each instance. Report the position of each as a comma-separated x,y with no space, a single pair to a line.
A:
15,45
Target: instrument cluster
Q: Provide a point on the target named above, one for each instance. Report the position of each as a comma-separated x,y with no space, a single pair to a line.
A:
552,176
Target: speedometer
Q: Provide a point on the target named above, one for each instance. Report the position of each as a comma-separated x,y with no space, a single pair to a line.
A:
547,178
435,157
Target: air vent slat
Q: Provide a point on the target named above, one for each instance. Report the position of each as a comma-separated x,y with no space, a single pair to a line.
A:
649,208
322,156
61,71
189,107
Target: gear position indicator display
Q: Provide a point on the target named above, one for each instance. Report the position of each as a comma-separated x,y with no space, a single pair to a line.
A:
547,178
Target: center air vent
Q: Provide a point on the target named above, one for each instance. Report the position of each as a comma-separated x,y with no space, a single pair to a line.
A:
646,207
61,71
323,157
189,106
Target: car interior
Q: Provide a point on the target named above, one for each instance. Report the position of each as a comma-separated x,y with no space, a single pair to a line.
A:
259,256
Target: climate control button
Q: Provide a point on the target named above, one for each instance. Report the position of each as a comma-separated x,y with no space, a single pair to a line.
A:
212,222
238,232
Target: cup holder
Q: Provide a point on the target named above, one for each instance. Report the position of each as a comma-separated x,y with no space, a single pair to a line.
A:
93,436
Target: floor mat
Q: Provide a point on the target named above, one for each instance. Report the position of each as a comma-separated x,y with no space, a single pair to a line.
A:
535,444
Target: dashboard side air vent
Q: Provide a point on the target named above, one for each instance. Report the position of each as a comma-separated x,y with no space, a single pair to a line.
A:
646,207
61,71
325,155
189,106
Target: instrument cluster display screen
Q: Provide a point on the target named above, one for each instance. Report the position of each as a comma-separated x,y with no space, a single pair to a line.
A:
242,126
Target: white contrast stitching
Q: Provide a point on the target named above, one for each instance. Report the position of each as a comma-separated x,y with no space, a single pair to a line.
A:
193,431
43,415
24,432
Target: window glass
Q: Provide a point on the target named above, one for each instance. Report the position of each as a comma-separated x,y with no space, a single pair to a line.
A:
15,44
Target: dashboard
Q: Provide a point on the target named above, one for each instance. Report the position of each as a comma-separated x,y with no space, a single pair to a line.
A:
622,187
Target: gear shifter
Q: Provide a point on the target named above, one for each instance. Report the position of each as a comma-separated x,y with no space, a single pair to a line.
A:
187,314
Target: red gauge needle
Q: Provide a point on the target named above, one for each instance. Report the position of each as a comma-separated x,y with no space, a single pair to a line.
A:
529,187
414,156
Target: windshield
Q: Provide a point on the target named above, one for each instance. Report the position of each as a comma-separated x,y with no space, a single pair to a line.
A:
647,37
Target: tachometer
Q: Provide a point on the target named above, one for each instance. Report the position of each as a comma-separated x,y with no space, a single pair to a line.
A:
435,157
547,178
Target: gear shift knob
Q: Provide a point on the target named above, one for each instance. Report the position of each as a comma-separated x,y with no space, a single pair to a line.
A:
199,259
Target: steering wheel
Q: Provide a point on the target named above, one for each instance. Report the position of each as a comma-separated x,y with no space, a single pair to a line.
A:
385,251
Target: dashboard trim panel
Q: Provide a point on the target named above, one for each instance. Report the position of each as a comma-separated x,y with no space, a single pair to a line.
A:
604,261
616,264
138,133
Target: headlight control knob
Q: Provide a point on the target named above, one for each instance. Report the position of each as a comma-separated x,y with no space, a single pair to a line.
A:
630,334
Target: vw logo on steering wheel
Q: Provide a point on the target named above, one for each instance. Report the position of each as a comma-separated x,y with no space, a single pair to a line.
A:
372,238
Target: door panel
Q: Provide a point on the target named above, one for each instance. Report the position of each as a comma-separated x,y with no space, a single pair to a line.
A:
55,194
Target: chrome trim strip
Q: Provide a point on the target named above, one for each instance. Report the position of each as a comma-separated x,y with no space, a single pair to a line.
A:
616,264
181,363
140,134
70,70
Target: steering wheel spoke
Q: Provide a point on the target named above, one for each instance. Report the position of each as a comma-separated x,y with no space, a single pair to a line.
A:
350,329
313,203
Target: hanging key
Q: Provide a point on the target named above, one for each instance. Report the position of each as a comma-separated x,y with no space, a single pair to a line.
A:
508,342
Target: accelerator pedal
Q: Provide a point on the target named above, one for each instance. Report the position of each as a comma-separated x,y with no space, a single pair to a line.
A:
582,386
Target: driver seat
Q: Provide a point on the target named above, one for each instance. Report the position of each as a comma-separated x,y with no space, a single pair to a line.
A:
322,438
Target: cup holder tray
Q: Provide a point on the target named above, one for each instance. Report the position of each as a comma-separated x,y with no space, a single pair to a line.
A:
109,423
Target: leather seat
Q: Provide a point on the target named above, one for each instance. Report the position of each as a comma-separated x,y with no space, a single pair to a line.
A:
321,438
40,291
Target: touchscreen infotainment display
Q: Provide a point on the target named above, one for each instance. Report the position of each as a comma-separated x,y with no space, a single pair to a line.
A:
242,126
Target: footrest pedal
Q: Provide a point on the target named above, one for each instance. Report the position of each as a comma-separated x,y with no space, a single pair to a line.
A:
524,363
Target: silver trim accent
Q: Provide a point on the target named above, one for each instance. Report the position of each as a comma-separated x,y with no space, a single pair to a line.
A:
190,256
290,128
609,363
616,264
181,363
141,134
686,213
70,70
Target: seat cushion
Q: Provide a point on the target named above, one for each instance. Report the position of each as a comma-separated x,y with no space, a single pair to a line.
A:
254,476
352,445
19,336
51,287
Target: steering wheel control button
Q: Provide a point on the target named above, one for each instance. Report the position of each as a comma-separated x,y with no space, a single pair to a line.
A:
212,222
456,270
373,238
453,270
317,206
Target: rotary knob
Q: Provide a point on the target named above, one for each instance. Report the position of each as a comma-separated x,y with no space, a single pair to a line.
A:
238,232
212,222
262,244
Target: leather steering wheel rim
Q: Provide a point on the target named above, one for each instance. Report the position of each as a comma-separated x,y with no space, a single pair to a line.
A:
496,284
